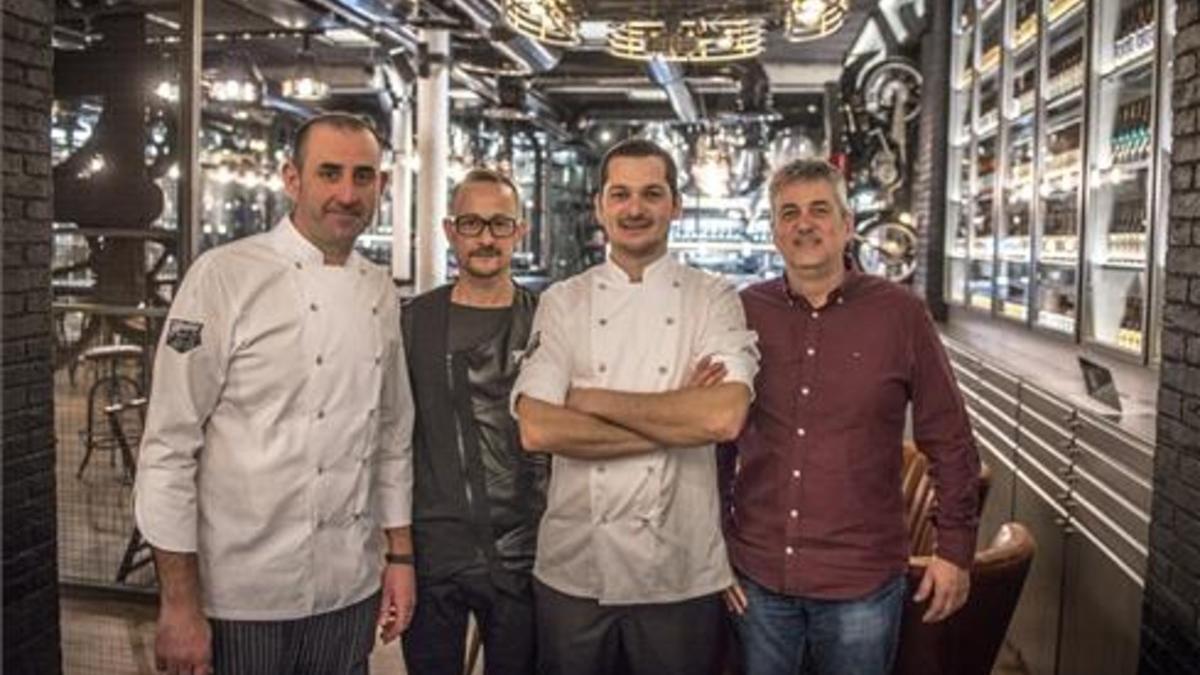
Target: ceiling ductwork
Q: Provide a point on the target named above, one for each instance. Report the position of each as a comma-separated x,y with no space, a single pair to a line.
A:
531,55
669,76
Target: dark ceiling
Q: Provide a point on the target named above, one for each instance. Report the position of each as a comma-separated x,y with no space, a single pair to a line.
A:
583,85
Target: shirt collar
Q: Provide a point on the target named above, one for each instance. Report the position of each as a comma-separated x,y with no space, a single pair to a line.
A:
658,271
845,291
288,241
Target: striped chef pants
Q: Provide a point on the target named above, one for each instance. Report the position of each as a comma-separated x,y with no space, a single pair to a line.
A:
335,643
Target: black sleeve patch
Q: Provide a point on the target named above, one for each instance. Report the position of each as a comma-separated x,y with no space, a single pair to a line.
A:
183,336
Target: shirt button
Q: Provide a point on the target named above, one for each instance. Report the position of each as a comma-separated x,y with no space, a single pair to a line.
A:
796,474
602,368
375,310
299,266
800,432
794,513
313,306
602,286
804,391
320,414
675,284
649,469
320,360
662,370
600,469
377,360
670,321
815,315
320,522
603,322
810,351
789,550
840,300
320,470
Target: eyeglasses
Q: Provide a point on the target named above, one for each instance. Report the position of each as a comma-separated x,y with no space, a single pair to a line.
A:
472,224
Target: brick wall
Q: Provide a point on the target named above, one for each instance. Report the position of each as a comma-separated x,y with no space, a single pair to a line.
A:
929,175
30,571
1171,621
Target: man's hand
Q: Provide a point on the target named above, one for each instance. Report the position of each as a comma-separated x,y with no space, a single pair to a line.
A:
948,583
183,643
398,602
706,373
735,599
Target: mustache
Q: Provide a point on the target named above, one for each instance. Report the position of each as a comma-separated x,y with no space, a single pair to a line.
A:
485,252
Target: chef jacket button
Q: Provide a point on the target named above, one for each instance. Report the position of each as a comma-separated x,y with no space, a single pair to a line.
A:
320,414
377,360
602,368
320,360
375,310
299,266
670,321
675,284
662,370
602,286
313,306
603,322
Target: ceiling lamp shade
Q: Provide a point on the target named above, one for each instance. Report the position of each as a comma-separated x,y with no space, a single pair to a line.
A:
237,80
814,19
552,22
689,40
306,84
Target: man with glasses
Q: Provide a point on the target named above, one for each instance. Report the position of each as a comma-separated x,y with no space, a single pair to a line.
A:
277,444
641,364
478,496
816,526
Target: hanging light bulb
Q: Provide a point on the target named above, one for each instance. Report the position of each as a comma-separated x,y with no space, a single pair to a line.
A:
238,81
306,84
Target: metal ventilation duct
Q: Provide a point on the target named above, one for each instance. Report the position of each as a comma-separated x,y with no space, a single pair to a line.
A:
669,76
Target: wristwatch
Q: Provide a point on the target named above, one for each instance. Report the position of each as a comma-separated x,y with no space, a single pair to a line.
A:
398,558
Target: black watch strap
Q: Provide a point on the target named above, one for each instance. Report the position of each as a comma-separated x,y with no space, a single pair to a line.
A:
398,558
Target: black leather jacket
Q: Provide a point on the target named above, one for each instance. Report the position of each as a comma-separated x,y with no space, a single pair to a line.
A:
477,495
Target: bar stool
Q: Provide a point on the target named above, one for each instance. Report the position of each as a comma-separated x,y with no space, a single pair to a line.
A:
111,394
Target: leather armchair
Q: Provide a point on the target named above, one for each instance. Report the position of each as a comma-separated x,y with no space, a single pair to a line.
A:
968,642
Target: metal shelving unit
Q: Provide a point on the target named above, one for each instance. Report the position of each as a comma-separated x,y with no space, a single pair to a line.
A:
1060,135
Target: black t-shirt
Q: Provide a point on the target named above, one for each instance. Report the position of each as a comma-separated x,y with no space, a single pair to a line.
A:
470,326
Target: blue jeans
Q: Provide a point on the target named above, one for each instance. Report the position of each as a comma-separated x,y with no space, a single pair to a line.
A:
780,634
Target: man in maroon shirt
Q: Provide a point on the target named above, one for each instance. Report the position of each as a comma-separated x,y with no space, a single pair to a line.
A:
815,524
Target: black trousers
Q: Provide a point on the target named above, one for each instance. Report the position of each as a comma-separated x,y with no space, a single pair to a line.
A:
435,642
335,643
578,636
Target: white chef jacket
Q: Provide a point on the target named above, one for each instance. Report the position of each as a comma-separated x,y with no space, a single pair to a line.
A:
278,446
644,528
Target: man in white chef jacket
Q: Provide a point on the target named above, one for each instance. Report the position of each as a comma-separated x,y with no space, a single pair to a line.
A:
277,444
635,368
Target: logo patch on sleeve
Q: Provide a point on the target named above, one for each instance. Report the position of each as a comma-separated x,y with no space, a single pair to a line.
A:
183,336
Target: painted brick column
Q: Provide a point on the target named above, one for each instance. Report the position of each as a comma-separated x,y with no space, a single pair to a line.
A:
1171,619
30,571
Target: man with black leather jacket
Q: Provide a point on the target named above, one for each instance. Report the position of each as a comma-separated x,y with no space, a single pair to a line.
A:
477,495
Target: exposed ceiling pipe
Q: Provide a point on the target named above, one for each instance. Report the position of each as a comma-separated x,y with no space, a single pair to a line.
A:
669,76
530,54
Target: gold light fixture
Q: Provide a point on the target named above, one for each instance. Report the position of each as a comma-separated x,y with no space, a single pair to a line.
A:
814,19
552,22
692,40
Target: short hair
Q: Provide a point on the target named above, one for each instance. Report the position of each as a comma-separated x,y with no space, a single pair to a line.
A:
338,120
806,170
485,175
640,147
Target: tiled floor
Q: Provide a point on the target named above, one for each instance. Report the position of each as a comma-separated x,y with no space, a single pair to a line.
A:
107,636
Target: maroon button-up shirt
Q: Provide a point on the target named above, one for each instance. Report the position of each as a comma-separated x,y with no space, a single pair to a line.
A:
816,508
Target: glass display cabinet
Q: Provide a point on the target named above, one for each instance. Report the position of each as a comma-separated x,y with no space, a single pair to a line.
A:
1059,148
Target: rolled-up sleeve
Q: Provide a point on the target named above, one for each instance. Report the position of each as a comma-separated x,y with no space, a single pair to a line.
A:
725,337
394,474
189,373
942,431
546,363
